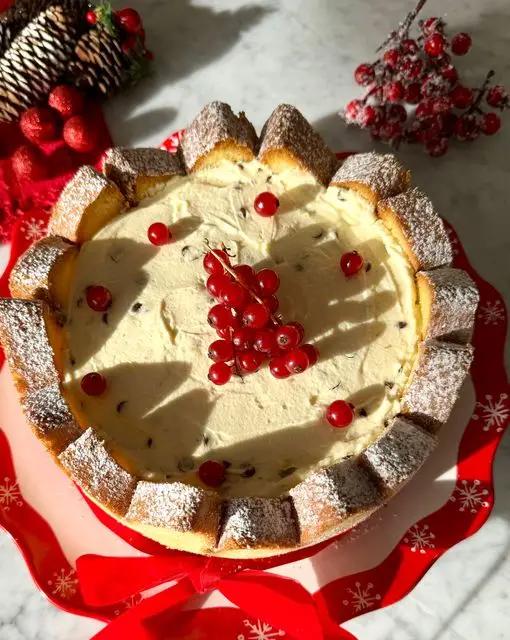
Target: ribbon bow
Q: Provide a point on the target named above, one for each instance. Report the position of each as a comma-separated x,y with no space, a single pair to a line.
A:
281,602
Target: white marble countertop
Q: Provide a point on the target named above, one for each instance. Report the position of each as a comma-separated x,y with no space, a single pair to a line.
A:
255,54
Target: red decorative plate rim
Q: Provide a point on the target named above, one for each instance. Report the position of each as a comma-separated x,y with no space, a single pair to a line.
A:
418,549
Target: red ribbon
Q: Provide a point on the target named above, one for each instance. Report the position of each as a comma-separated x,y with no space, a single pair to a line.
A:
281,602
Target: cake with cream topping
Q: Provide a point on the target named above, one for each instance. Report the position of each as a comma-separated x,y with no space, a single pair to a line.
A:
244,348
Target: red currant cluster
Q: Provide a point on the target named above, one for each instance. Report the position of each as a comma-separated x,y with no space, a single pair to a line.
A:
244,319
127,22
414,93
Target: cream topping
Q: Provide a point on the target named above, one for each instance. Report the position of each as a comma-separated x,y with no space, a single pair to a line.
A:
160,412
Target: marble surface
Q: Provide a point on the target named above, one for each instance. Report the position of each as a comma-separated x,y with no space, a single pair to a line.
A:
255,55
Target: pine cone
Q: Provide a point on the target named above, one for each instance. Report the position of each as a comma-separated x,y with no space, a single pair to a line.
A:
101,66
37,58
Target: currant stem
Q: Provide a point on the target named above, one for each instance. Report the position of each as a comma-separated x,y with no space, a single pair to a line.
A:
404,26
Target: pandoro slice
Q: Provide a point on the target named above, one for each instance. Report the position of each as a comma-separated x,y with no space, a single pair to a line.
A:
90,464
288,140
374,175
435,382
398,453
258,523
45,271
334,499
87,203
138,172
448,302
217,134
411,217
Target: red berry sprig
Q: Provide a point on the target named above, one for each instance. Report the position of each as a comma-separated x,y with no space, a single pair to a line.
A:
99,298
93,384
414,93
244,318
340,414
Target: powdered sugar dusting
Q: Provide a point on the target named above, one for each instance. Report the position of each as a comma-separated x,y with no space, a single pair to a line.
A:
399,452
48,412
287,129
381,173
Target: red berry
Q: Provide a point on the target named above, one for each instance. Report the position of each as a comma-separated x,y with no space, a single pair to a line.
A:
129,44
268,282
266,204
28,163
462,97
497,96
297,360
219,373
430,25
450,74
234,295
413,93
91,17
364,74
434,45
448,121
265,341
369,116
243,338
212,472
411,69
245,274
38,124
278,368
225,333
394,91
250,361
159,234
352,110
67,100
299,327
80,135
461,43
149,55
311,352
220,316
256,316
351,263
216,282
93,384
98,298
287,337
437,148
272,303
211,262
392,58
490,124
467,128
340,414
129,20
409,46
221,351
397,113
423,110
441,104
390,130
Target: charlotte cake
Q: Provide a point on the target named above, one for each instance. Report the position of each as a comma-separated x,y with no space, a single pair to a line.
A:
393,338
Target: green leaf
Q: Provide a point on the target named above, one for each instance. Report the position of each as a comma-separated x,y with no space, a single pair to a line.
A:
104,12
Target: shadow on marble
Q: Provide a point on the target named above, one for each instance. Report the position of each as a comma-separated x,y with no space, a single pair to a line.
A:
148,123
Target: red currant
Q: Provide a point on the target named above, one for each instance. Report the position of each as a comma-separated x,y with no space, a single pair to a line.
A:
409,46
423,110
436,148
490,124
392,58
390,130
462,97
461,43
431,25
220,316
441,104
287,337
397,113
297,361
129,20
243,338
225,333
266,204
250,361
364,74
412,69
91,17
98,298
299,327
219,373
413,93
129,44
497,96
159,234
394,91
351,263
467,128
278,368
352,110
234,295
212,473
221,351
272,303
216,282
256,316
369,116
245,274
311,352
450,74
434,45
340,413
265,341
211,262
93,384
268,282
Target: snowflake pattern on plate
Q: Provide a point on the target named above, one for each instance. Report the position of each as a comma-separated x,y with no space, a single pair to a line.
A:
420,538
260,631
470,496
9,495
492,413
129,603
63,583
492,312
33,229
361,597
